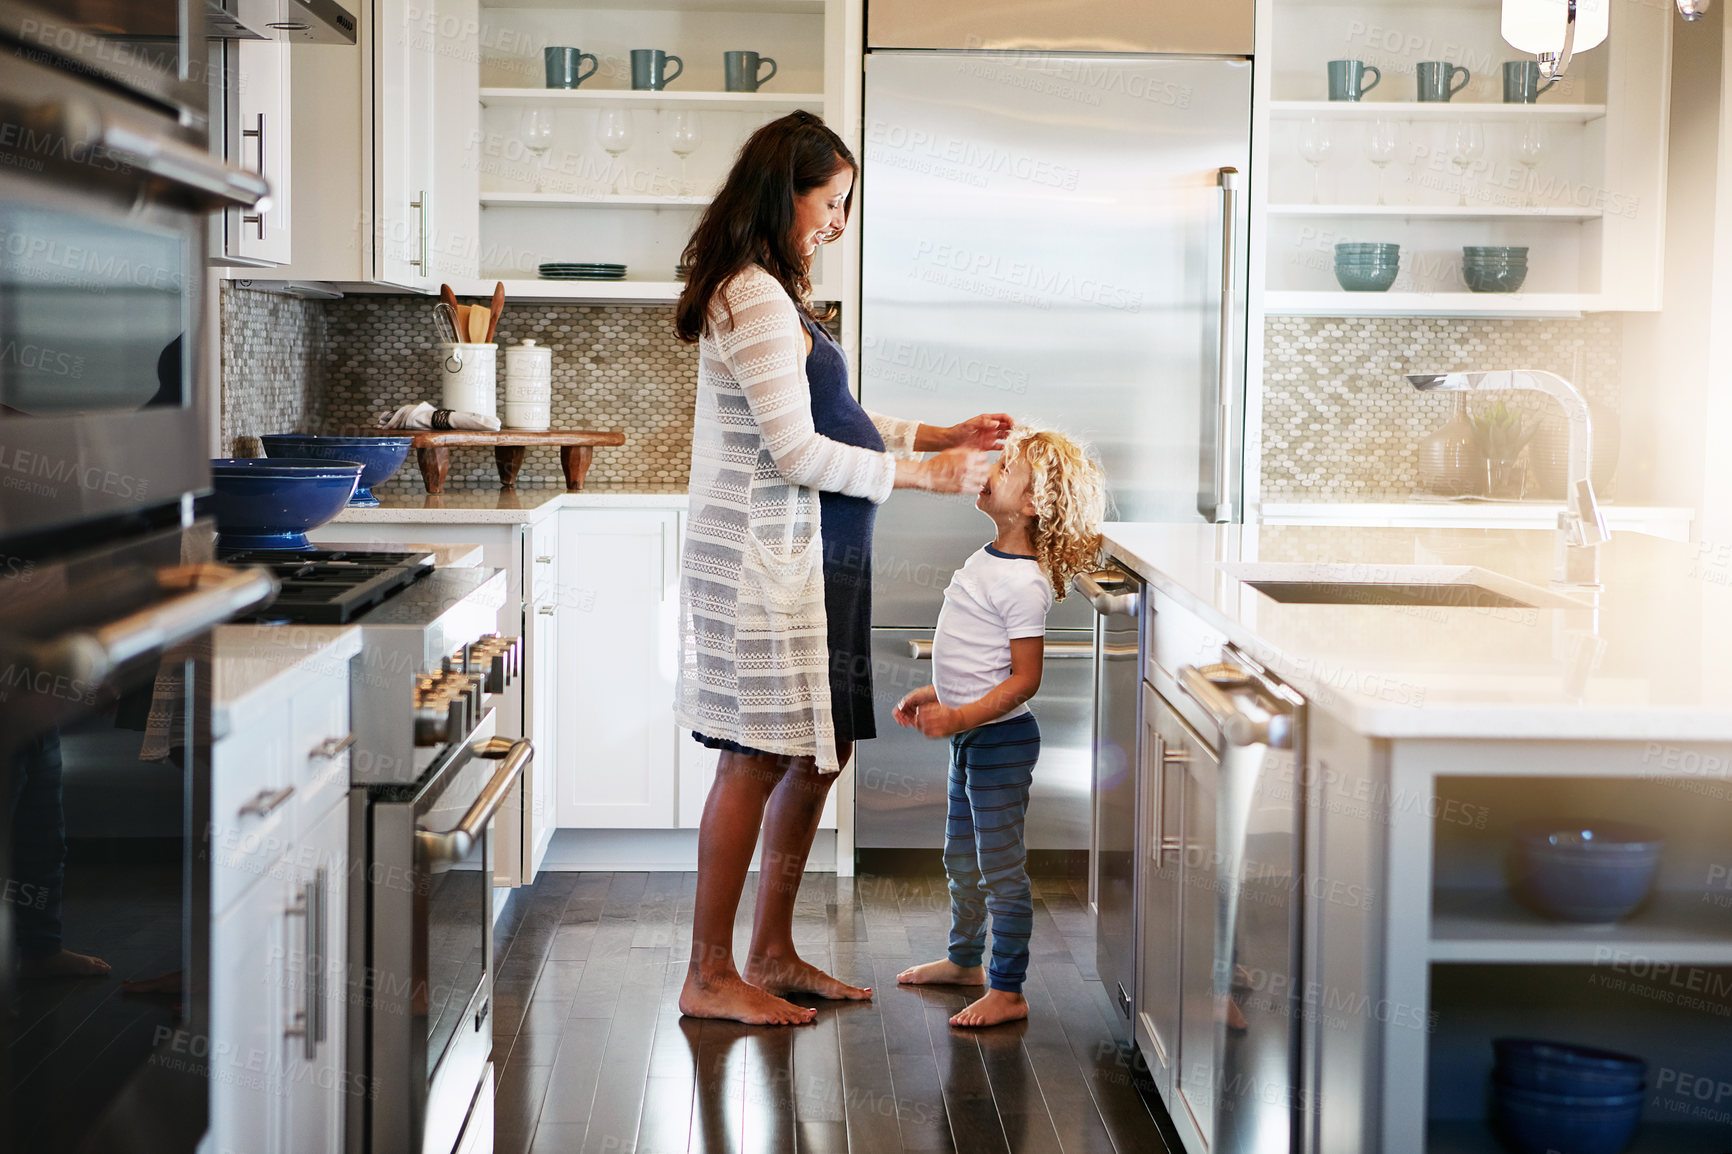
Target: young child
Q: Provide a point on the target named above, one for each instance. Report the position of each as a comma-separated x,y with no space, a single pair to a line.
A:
1046,498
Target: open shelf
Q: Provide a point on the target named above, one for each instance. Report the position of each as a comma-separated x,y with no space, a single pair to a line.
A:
666,98
1437,211
800,7
1653,1138
1441,110
1490,926
1420,304
599,292
581,200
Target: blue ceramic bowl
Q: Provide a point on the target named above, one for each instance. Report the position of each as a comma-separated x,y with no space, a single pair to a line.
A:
1366,277
1499,278
1533,1123
1561,1068
1584,871
379,457
271,502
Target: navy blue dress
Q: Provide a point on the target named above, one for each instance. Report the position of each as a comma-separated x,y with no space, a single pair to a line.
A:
846,526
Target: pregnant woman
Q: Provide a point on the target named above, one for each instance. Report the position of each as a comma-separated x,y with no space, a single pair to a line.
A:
775,580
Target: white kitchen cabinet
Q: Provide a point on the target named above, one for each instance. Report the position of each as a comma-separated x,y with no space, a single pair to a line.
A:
246,1001
541,661
258,139
316,963
392,158
617,597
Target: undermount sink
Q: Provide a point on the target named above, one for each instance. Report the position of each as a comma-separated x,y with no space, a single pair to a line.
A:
1438,586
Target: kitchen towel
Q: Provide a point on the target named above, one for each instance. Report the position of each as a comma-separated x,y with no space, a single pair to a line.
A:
424,416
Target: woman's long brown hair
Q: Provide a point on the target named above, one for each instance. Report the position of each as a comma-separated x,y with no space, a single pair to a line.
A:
751,220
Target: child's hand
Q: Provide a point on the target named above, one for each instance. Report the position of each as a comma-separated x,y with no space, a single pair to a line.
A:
936,720
905,709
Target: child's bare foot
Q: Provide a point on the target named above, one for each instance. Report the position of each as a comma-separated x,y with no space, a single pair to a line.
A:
942,973
790,975
997,1007
65,964
733,998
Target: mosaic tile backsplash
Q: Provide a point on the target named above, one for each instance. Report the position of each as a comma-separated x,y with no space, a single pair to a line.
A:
614,367
273,350
1340,424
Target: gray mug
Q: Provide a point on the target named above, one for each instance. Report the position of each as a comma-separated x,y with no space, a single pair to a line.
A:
1435,80
565,67
649,68
1521,81
1347,79
740,70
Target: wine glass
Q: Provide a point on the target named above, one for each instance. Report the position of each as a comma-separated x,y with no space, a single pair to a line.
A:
1380,144
1313,148
536,129
685,136
1467,146
1530,146
614,131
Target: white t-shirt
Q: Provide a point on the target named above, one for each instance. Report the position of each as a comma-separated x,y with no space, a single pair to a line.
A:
992,600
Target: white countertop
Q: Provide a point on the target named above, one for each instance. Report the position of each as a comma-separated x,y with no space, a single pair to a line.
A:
1456,671
249,662
409,504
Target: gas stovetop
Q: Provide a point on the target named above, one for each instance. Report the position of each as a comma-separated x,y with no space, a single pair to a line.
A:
330,586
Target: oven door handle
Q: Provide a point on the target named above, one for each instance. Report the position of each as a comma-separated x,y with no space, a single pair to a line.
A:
454,844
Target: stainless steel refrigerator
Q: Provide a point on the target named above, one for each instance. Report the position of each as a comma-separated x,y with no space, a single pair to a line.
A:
1057,235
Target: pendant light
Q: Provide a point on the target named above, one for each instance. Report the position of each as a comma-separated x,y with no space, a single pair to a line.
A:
1554,30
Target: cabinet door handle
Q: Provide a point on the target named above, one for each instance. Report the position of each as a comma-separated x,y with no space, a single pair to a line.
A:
420,202
307,907
331,747
544,560
316,967
259,135
267,801
546,610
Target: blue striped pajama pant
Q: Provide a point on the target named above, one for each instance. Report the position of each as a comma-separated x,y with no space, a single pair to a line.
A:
991,768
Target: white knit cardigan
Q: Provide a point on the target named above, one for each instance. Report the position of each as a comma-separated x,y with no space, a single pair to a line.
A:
754,664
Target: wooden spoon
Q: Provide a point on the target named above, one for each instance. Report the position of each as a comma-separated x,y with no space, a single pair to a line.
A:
497,307
477,325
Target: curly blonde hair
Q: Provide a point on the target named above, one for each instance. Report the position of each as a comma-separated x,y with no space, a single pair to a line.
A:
1068,492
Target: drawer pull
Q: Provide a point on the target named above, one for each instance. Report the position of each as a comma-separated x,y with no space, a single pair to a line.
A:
544,560
267,801
330,748
546,610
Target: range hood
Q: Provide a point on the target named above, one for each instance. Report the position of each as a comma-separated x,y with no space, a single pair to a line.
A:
301,21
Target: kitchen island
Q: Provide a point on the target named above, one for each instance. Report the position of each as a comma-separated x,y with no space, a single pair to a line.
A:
1433,727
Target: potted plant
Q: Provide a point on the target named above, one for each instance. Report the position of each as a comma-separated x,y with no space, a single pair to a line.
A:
1502,433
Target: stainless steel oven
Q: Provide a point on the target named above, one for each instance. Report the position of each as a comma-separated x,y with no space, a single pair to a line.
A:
105,784
429,967
105,185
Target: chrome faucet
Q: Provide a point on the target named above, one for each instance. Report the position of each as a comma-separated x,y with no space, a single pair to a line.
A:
1581,526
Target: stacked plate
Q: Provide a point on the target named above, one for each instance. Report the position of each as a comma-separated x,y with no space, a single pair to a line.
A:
579,271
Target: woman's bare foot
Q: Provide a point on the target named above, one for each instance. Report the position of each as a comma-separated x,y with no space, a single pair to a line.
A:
995,1008
65,964
733,998
942,973
791,975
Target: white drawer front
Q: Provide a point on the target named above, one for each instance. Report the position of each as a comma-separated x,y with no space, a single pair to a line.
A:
1178,638
252,807
319,741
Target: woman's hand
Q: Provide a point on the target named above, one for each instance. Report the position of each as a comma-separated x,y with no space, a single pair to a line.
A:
952,471
910,703
984,433
937,720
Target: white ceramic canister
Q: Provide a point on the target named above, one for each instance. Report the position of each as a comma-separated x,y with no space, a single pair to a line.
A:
469,374
528,386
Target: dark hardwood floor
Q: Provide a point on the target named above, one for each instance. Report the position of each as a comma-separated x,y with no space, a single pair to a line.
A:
592,1053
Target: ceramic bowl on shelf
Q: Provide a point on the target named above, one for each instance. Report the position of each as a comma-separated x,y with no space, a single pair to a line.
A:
1367,267
1535,1123
271,502
1565,1068
1596,872
1496,268
379,457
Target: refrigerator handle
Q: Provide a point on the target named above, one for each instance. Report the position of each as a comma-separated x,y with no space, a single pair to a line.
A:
1217,505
